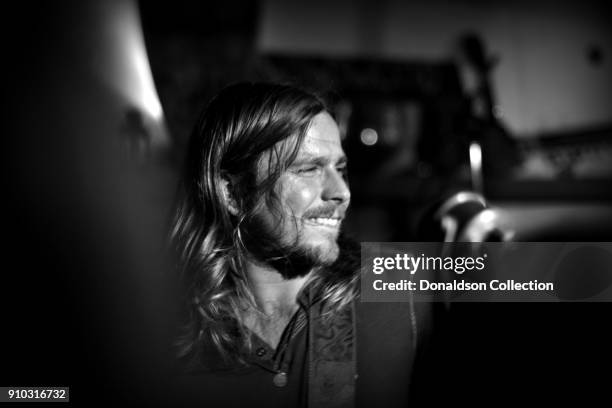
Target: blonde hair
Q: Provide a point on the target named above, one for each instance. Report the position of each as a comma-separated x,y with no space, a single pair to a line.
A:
240,124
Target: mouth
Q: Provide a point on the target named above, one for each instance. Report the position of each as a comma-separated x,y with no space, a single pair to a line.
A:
329,222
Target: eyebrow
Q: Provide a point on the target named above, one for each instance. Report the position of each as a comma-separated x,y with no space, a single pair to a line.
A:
320,160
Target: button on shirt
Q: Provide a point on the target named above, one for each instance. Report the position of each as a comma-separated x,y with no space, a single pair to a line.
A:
286,367
280,378
273,378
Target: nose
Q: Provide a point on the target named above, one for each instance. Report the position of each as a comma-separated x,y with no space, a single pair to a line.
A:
335,187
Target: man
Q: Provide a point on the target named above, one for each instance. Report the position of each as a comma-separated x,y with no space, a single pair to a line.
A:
271,307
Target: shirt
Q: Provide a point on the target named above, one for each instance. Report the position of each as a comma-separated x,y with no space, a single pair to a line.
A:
290,375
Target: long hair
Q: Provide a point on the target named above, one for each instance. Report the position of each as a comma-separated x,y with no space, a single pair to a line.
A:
242,125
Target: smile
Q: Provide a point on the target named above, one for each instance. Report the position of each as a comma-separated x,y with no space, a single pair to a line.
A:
326,222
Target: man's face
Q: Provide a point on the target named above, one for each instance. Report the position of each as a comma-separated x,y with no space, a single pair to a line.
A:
313,195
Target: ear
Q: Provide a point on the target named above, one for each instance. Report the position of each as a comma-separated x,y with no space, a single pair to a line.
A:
228,196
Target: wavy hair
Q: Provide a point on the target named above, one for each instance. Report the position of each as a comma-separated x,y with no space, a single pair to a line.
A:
244,124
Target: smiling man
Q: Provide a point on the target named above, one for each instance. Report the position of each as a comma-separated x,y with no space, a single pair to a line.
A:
271,315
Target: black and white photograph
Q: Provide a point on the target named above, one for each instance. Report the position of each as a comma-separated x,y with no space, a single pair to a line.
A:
283,203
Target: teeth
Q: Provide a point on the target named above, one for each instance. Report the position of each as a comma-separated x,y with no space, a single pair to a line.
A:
329,222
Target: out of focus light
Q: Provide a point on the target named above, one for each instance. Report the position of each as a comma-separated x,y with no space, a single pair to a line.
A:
460,198
480,226
476,166
487,222
487,217
124,64
136,76
146,93
369,137
475,156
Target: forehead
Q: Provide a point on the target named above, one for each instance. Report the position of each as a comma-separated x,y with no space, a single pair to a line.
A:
321,144
322,139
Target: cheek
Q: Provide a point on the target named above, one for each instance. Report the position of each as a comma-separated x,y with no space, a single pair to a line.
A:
300,197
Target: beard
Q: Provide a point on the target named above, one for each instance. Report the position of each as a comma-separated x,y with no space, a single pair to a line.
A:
291,259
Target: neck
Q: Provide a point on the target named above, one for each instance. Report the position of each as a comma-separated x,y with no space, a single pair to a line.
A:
272,292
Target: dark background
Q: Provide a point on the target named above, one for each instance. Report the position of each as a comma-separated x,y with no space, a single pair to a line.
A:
88,186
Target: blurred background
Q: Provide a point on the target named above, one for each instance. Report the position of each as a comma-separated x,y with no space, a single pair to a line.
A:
462,120
523,87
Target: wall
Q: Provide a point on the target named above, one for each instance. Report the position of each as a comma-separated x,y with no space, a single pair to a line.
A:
544,80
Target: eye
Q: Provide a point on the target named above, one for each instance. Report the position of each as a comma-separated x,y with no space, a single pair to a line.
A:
342,169
308,170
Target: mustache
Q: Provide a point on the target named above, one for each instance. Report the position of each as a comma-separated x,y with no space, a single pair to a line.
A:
325,211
